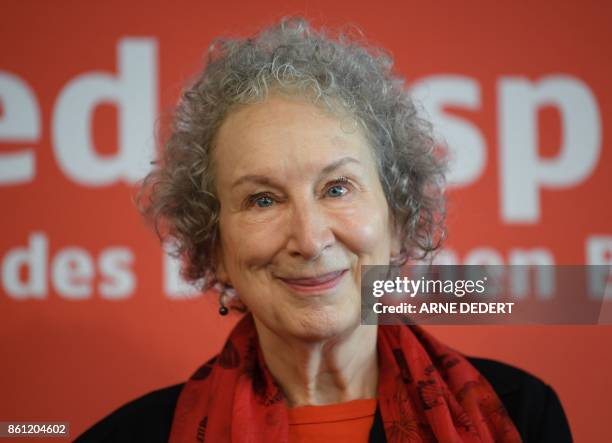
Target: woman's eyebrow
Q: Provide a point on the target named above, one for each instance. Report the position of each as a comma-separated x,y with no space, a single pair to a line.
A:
254,178
265,180
337,164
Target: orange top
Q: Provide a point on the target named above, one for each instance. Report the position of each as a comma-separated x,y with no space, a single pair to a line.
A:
350,422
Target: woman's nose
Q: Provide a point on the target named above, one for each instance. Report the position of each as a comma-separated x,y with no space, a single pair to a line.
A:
310,231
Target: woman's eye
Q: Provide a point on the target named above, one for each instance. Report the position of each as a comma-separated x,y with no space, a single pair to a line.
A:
263,201
336,191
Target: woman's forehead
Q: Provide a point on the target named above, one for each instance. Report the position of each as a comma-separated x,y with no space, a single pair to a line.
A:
287,117
286,133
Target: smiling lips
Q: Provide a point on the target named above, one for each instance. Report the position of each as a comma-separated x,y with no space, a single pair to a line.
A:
315,284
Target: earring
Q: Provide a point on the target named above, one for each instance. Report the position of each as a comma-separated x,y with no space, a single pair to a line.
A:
223,310
228,298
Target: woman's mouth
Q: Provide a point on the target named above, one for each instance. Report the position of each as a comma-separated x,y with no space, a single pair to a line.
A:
317,284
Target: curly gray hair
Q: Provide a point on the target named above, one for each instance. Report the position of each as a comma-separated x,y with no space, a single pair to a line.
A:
178,196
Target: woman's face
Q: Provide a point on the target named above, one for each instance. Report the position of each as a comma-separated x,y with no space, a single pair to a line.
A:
302,209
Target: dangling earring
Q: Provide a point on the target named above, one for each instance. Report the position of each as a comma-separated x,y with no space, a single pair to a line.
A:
229,298
223,310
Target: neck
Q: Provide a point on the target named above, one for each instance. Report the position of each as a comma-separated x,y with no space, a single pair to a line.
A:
329,371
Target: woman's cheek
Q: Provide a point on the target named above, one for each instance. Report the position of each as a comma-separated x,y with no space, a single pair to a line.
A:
363,232
254,242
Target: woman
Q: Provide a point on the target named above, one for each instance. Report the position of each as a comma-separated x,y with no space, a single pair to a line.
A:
295,160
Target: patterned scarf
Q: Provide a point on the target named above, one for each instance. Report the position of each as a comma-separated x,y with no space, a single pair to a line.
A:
427,392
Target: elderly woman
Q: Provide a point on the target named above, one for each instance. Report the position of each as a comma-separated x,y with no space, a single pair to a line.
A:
295,159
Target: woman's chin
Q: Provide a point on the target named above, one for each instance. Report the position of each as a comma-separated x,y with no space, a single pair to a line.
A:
323,325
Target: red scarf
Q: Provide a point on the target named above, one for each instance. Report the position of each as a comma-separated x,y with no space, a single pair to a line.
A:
426,392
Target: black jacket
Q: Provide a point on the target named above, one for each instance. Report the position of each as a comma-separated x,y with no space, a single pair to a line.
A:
533,406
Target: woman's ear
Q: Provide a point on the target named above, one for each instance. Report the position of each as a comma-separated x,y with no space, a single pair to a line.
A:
220,269
396,240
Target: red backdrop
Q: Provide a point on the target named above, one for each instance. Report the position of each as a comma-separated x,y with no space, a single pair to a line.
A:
89,313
